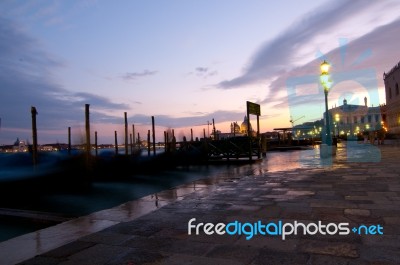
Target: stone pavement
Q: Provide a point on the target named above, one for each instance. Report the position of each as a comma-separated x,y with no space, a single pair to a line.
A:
355,192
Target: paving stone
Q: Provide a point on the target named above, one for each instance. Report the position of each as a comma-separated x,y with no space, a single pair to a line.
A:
179,259
270,211
358,212
106,238
329,248
41,260
333,204
98,254
392,220
183,247
239,253
380,255
382,240
69,249
328,260
272,243
148,243
137,256
354,178
272,257
245,208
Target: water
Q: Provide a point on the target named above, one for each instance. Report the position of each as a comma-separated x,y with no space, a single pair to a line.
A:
101,194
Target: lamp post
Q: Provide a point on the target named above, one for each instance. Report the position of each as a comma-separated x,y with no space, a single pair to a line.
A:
326,84
337,119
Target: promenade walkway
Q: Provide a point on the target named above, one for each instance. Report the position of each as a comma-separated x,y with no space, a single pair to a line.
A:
360,187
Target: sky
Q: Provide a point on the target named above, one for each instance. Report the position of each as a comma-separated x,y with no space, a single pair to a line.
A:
186,62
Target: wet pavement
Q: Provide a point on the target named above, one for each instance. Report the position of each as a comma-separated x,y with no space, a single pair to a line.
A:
360,187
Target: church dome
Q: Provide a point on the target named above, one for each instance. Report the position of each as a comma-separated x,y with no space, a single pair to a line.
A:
243,126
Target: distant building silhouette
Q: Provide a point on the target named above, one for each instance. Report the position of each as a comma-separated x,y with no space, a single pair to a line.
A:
392,80
350,120
20,146
235,128
243,126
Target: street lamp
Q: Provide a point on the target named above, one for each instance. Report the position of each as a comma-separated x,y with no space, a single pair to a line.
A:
326,84
337,119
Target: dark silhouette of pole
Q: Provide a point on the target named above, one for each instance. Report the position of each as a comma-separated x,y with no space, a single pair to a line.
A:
87,129
131,145
214,132
328,128
34,136
69,140
248,134
148,143
191,134
126,133
133,138
116,142
165,141
95,142
154,135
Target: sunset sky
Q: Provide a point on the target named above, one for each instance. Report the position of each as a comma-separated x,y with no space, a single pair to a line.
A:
186,62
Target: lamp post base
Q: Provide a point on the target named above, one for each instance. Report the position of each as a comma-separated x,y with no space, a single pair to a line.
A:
327,150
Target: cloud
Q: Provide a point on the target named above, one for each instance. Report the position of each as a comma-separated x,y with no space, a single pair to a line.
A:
292,48
136,75
205,72
26,80
201,69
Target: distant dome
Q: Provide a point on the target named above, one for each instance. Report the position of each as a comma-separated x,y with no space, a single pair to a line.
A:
243,126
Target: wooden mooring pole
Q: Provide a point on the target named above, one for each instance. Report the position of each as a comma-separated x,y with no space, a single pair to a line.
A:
249,135
87,129
34,136
154,135
126,133
95,142
148,143
133,138
131,143
116,142
214,132
165,141
69,140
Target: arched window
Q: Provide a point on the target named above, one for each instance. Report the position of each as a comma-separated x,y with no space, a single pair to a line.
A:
397,89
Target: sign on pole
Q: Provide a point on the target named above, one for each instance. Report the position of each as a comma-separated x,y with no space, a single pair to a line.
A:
253,108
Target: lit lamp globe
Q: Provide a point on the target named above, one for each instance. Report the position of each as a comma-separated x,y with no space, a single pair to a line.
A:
324,77
325,67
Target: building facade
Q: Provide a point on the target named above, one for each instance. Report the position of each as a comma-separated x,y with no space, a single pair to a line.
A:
392,80
351,120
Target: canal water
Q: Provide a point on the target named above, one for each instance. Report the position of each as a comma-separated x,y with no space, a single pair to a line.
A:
108,194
